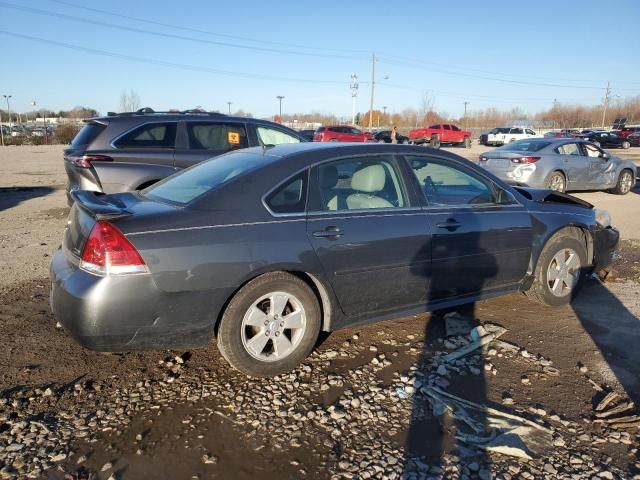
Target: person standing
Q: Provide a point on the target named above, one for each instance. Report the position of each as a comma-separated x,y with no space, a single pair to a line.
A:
394,134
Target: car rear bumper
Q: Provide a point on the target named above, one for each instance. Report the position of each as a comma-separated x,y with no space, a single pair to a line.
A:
128,312
605,243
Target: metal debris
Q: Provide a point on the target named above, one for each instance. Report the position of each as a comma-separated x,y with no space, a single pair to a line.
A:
495,430
480,338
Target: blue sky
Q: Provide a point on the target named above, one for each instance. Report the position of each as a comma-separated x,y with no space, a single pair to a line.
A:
306,51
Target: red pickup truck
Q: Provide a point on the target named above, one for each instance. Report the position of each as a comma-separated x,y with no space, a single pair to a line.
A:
441,133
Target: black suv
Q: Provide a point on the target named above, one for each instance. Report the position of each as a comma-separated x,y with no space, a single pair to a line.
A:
130,151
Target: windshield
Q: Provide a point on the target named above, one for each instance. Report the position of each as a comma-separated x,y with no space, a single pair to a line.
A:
524,146
205,177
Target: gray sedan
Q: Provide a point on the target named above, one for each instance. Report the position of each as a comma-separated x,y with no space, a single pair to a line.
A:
560,164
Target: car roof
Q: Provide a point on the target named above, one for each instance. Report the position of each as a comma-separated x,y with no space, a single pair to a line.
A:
180,116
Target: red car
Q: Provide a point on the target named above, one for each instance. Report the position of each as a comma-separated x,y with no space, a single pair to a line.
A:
634,138
441,133
626,131
341,133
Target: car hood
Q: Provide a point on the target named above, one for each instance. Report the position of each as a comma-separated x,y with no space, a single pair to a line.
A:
539,195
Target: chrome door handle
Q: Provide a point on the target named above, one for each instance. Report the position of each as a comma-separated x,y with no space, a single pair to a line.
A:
329,232
453,225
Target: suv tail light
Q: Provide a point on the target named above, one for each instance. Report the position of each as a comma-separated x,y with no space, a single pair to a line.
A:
107,251
85,160
525,159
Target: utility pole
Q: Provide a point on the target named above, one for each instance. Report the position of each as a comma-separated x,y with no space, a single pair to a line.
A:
607,92
465,114
373,86
1,130
7,97
280,97
354,94
229,104
384,113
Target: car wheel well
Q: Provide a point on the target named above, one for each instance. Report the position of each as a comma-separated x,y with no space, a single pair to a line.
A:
579,233
319,290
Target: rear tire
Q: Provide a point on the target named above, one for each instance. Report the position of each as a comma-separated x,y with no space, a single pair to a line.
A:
435,142
257,335
557,182
559,271
625,183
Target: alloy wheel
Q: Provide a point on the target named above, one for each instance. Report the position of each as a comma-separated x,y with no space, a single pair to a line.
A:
273,326
626,182
557,183
563,272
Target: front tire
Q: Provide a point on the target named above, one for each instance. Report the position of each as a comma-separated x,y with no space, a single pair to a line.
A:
270,325
557,182
467,142
625,183
559,271
626,145
435,142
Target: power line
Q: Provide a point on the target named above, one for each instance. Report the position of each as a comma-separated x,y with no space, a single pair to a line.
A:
485,77
163,63
197,30
171,36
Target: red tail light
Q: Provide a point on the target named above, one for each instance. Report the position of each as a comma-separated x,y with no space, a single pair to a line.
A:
107,251
483,158
85,160
525,159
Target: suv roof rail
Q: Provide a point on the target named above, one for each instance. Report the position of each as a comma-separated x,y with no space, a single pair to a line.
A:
151,111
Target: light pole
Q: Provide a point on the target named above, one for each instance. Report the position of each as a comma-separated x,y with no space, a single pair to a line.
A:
44,123
229,104
280,98
465,114
354,94
384,114
1,130
7,97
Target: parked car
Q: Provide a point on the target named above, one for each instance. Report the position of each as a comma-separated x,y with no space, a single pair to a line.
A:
384,136
606,139
307,134
565,133
441,133
341,133
130,151
267,247
500,136
634,139
560,164
626,131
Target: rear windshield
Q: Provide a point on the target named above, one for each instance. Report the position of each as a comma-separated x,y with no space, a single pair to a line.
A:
524,146
499,130
87,134
205,177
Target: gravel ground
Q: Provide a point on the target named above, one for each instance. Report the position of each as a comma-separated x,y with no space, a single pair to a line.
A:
361,406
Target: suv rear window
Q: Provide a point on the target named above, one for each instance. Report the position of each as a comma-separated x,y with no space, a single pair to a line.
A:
204,177
216,137
87,134
150,135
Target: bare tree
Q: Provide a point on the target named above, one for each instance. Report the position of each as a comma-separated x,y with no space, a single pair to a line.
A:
129,102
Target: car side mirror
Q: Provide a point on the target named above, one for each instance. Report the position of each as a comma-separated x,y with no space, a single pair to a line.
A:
605,156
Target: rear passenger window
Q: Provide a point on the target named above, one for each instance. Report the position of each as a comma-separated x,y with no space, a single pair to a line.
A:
568,149
216,137
290,197
270,136
360,184
151,135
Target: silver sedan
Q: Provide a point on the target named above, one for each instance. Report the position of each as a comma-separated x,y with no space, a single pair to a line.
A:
560,164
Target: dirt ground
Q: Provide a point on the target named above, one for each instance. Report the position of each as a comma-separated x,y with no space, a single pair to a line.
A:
352,410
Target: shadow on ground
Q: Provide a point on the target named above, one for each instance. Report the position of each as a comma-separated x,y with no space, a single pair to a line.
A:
12,196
